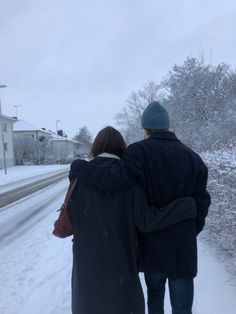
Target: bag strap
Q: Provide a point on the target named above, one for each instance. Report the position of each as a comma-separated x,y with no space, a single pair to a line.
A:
70,191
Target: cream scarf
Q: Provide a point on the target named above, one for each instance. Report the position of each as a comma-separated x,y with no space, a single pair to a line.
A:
108,155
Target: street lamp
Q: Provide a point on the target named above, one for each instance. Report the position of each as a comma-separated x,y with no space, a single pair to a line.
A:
1,127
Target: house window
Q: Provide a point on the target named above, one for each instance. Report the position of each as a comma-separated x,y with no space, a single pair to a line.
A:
42,138
5,127
5,147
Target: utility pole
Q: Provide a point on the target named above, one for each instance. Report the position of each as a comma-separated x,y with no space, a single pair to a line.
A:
57,143
16,108
2,130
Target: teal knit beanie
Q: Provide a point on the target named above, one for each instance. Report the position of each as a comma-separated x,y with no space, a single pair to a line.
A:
155,117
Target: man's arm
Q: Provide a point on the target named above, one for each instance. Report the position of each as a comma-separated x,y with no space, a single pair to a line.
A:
114,176
202,197
150,218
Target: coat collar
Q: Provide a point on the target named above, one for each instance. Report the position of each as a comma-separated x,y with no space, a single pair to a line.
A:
165,135
108,155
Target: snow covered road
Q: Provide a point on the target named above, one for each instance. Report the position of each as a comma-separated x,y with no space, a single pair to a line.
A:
24,190
35,267
26,213
23,175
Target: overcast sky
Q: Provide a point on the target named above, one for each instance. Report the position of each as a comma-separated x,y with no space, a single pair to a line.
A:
77,61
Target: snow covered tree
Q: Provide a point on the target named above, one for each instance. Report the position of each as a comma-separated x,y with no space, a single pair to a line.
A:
85,138
201,100
43,150
30,150
24,148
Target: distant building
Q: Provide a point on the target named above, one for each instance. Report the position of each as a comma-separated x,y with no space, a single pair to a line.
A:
63,148
7,126
36,145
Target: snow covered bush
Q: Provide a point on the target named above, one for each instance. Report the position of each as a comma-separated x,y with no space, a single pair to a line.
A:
221,221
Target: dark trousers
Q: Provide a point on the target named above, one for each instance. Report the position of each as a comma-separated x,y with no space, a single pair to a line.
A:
181,293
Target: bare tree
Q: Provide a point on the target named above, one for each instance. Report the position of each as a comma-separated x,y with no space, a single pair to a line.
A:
85,139
129,119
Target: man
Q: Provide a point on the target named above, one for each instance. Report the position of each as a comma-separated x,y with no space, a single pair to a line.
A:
167,170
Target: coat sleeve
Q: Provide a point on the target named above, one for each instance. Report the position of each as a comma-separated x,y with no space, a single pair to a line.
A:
202,197
149,218
76,168
120,175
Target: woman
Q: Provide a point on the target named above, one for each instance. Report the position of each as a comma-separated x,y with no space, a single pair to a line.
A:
105,245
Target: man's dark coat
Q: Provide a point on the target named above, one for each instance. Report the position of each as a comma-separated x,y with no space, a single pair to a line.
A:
166,169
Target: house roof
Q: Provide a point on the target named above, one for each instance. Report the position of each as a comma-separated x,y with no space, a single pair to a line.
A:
55,137
21,125
8,118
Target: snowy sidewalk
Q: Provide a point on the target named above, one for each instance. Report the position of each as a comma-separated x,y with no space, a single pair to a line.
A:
215,290
215,287
35,268
36,272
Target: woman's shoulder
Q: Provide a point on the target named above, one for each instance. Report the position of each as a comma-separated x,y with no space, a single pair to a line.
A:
77,166
81,166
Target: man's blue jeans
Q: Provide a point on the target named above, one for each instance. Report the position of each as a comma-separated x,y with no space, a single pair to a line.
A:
181,294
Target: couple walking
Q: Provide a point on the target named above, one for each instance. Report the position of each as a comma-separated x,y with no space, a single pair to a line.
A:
137,209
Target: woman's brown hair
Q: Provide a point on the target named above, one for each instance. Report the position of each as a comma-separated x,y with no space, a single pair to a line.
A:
108,140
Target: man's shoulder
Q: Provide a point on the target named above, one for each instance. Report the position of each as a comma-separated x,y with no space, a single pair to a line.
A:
137,145
196,156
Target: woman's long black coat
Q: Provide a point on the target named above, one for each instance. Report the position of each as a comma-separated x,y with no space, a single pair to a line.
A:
105,251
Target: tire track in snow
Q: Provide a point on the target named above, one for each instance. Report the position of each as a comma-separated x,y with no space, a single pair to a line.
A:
17,222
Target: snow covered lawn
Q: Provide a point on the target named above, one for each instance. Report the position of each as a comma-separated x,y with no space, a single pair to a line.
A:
35,267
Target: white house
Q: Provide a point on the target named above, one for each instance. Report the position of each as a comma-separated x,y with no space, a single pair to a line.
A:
41,146
25,129
30,143
62,148
6,141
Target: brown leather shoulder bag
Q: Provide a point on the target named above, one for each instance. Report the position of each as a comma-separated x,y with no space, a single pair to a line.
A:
63,225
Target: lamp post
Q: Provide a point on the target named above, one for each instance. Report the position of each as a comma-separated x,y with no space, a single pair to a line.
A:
57,143
1,127
57,121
